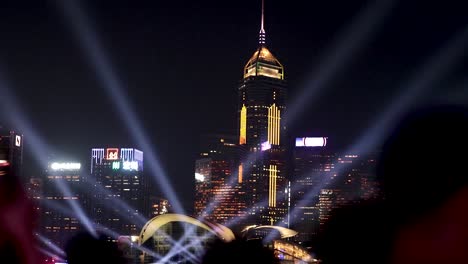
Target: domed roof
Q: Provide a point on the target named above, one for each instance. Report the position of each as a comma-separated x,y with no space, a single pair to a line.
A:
283,231
157,222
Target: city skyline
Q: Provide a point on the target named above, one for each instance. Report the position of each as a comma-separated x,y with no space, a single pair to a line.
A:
186,84
158,130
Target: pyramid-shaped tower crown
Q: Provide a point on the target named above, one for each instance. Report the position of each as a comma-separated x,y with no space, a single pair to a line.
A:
262,62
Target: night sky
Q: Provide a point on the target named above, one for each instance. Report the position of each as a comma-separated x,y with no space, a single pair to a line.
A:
180,63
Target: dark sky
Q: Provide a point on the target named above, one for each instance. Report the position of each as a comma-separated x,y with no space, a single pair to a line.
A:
180,62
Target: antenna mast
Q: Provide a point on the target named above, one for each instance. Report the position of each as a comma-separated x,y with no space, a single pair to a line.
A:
261,38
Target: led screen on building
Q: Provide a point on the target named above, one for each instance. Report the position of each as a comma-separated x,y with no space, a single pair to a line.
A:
311,142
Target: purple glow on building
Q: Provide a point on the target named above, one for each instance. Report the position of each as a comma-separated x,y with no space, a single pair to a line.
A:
265,146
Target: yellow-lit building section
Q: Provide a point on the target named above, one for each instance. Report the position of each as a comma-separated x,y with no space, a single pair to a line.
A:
241,171
274,126
243,126
263,63
272,186
292,253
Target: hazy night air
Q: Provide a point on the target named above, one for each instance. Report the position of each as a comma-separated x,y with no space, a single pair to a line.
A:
180,61
171,131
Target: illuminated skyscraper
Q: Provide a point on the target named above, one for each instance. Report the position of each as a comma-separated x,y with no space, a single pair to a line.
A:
119,172
261,109
56,225
215,183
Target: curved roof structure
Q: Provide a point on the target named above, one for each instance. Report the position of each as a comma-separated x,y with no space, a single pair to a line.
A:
157,222
284,232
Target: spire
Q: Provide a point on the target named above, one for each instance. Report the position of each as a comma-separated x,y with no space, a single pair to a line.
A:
261,38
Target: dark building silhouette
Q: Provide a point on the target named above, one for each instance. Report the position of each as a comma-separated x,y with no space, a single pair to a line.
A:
324,181
314,165
34,191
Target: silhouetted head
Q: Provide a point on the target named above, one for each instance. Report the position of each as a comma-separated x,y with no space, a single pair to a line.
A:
85,248
239,251
17,243
358,233
425,159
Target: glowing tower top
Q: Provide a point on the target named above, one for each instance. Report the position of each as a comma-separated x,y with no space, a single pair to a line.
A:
261,38
262,62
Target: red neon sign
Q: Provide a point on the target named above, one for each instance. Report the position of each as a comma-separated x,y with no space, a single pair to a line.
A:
112,154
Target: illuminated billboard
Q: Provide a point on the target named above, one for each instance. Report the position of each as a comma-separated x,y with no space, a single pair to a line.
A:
65,166
311,142
116,165
130,165
128,159
112,154
18,141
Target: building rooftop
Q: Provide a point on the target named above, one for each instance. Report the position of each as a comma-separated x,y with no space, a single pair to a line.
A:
263,63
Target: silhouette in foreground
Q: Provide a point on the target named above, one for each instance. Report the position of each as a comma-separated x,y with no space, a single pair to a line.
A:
84,248
239,251
17,243
424,180
422,215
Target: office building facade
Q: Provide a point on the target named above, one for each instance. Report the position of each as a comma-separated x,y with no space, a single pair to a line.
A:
119,198
218,194
314,169
61,186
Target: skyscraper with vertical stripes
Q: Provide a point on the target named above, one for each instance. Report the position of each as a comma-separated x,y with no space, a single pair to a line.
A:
262,105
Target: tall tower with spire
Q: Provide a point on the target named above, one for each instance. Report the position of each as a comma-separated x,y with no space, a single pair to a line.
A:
262,105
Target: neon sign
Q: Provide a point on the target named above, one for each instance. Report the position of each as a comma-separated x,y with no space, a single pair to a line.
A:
116,165
112,154
311,142
65,166
130,165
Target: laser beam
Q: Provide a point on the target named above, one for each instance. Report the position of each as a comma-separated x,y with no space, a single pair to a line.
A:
115,90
